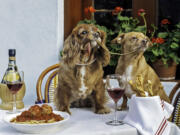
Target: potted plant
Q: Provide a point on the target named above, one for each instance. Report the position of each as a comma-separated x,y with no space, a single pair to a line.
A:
164,53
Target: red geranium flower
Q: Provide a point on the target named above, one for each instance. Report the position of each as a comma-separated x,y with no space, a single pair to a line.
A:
86,10
165,21
117,10
160,40
92,10
153,40
89,9
141,11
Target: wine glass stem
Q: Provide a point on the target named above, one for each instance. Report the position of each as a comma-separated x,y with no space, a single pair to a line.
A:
14,102
115,112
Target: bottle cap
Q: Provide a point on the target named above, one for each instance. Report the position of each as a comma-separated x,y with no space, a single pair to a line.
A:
12,52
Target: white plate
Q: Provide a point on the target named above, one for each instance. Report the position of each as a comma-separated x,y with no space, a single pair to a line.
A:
37,128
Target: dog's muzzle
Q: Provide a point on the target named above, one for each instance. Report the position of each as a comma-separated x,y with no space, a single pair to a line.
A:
90,45
144,42
144,45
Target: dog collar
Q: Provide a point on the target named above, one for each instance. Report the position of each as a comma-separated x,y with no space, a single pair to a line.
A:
91,62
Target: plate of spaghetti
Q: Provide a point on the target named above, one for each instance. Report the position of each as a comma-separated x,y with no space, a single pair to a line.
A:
37,119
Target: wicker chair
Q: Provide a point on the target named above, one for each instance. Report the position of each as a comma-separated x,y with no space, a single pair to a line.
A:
175,100
50,84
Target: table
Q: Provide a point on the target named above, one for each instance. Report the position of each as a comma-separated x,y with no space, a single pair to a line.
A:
84,121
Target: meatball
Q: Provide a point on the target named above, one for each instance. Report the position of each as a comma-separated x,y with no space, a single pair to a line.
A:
26,114
46,109
35,110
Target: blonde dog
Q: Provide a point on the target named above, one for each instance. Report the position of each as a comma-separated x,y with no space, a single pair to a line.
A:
81,68
133,63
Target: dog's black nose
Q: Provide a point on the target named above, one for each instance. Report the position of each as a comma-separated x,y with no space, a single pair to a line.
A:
96,35
144,41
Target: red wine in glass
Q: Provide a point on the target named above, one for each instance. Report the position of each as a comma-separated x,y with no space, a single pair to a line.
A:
14,81
14,87
115,86
116,93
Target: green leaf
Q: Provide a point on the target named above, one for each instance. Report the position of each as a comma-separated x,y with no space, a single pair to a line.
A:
103,28
174,45
140,29
113,62
116,47
111,32
178,25
155,52
161,51
165,61
135,21
154,27
175,39
162,34
123,18
61,53
172,55
124,25
177,34
86,21
128,29
177,60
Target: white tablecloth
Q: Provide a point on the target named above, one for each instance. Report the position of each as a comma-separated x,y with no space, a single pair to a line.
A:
86,122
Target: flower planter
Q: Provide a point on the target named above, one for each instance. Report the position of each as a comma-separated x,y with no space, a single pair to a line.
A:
165,73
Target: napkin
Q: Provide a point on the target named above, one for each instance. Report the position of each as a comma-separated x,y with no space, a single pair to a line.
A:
149,115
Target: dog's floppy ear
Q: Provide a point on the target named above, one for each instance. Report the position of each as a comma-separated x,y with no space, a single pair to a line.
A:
118,39
70,48
103,37
103,55
67,52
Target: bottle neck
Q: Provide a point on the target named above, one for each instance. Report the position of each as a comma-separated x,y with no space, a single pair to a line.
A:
12,61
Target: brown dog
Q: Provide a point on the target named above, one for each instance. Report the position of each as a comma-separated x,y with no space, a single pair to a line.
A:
133,63
81,68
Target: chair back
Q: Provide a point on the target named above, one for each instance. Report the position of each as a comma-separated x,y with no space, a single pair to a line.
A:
51,73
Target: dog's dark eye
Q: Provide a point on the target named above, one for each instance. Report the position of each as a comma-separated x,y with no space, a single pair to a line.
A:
134,38
84,32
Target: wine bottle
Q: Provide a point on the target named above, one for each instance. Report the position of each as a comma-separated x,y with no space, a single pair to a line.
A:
11,67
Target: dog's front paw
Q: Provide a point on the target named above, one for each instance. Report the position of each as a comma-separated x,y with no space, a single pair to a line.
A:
64,109
122,108
81,103
103,111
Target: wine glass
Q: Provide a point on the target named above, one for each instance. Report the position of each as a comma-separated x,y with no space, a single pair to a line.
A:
115,86
14,81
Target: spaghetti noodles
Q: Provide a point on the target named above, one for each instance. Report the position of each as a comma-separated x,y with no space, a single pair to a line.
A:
37,115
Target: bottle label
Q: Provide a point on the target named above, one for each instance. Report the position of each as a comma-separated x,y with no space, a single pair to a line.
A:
12,77
12,58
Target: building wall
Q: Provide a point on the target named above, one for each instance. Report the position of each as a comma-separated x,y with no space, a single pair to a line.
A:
35,29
